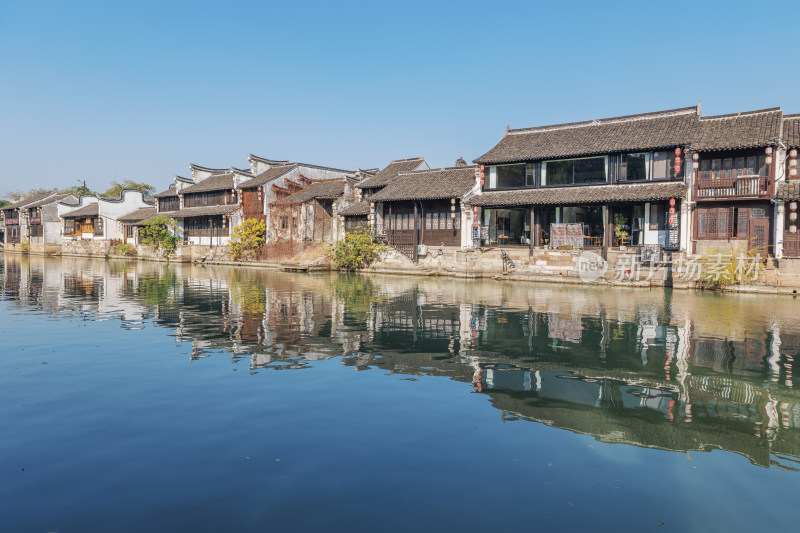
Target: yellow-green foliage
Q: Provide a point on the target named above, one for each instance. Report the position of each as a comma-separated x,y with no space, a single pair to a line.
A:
247,239
721,268
25,245
123,248
357,250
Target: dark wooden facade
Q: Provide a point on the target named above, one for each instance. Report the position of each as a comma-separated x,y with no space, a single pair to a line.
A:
430,222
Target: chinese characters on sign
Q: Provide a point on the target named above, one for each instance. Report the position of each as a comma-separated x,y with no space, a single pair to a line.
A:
716,268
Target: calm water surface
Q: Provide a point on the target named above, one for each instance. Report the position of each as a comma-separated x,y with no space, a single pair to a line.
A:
146,397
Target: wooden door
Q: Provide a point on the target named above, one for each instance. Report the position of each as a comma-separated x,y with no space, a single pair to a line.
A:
758,234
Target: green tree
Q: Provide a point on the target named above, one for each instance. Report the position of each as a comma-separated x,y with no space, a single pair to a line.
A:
247,239
357,250
4,203
158,232
19,194
78,191
116,188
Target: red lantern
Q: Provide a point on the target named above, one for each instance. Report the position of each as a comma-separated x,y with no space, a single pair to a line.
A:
672,201
482,168
474,224
475,216
671,220
677,151
481,182
475,209
671,210
677,169
483,175
677,160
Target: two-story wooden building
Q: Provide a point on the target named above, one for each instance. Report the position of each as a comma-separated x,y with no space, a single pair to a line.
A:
371,212
425,208
736,156
600,183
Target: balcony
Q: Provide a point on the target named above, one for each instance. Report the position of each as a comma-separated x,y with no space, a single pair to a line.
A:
743,187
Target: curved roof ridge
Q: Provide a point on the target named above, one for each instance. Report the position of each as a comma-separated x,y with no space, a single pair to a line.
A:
610,120
267,160
193,166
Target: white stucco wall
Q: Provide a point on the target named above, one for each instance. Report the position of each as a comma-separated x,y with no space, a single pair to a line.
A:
314,173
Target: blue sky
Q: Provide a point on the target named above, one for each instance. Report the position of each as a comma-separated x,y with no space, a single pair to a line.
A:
138,90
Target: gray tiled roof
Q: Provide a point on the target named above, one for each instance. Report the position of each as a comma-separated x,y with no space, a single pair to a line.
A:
791,130
323,189
91,210
663,129
31,199
200,211
789,190
169,192
386,175
267,176
50,199
434,184
217,182
594,194
139,215
356,210
751,129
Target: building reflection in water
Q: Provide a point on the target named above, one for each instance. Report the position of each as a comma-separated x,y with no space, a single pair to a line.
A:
677,371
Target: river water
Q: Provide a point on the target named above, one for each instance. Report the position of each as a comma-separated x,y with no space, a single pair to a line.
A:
152,397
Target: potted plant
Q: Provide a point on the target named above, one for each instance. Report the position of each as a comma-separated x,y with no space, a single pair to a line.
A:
620,229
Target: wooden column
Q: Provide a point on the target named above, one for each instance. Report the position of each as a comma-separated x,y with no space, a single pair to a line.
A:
534,229
608,233
416,230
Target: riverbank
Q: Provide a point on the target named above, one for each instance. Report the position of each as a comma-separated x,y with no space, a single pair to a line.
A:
618,269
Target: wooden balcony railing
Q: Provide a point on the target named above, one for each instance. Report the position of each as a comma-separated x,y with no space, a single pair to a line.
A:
727,188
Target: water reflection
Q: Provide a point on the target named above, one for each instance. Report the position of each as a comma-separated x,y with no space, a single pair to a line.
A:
676,371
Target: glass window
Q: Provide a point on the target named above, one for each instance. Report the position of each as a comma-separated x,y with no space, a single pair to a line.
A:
592,219
634,167
738,167
750,169
530,174
507,226
716,165
559,172
727,165
574,171
509,176
762,165
661,164
591,170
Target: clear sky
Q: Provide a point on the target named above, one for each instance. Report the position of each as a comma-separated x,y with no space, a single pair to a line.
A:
138,90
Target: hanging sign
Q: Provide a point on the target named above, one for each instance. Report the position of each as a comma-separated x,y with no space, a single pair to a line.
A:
673,227
566,235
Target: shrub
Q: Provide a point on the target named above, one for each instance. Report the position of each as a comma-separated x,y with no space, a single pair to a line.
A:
247,239
158,232
123,248
357,250
25,246
723,268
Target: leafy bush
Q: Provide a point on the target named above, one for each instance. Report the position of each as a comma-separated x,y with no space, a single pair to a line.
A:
158,232
247,239
123,248
25,246
357,250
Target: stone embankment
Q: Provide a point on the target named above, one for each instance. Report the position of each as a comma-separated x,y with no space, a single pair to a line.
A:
619,268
